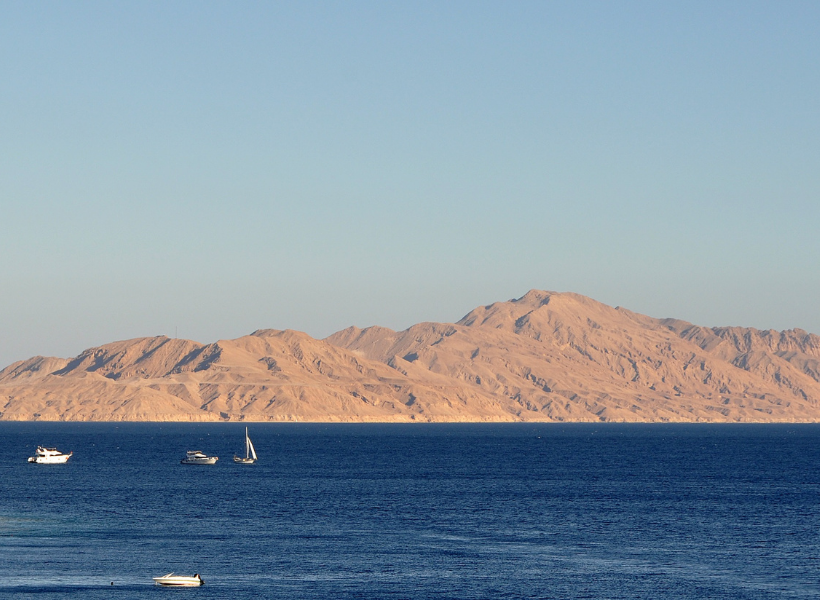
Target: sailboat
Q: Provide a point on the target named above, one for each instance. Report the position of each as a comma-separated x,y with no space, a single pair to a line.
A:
250,453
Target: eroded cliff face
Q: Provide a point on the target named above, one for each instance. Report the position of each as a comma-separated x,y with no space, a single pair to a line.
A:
542,357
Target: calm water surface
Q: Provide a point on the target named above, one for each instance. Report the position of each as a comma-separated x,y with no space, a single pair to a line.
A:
413,511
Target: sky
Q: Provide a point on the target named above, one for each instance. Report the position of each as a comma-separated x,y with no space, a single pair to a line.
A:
206,169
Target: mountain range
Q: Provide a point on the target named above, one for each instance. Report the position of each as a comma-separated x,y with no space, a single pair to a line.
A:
546,356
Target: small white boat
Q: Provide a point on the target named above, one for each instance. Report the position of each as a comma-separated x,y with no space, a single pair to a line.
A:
49,456
179,580
250,453
197,457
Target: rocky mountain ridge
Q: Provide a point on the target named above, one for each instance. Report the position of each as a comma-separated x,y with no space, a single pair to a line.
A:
543,357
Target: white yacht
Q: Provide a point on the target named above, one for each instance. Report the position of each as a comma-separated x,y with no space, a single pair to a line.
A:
250,453
179,580
197,457
49,456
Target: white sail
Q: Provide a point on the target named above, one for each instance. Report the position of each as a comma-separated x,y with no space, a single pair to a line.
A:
250,447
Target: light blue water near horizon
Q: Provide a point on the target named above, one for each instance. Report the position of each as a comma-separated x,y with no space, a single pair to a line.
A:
414,511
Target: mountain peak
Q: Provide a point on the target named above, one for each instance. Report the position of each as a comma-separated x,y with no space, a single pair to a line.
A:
539,312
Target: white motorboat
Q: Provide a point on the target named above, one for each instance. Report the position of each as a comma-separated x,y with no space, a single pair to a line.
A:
49,456
179,580
197,457
250,453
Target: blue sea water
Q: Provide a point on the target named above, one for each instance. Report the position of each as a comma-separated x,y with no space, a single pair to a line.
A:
413,511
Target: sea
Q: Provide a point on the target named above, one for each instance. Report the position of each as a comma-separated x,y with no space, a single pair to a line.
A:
416,511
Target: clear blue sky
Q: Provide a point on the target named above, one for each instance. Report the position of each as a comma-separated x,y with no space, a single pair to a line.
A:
215,168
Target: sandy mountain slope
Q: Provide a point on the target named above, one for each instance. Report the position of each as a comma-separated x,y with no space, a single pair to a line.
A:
543,357
550,356
266,376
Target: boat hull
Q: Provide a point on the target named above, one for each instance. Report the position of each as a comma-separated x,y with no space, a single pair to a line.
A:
211,460
243,461
178,581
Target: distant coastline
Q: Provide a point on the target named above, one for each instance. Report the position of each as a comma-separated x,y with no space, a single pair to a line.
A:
544,357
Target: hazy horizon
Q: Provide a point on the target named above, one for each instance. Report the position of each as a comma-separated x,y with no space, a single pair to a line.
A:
205,170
